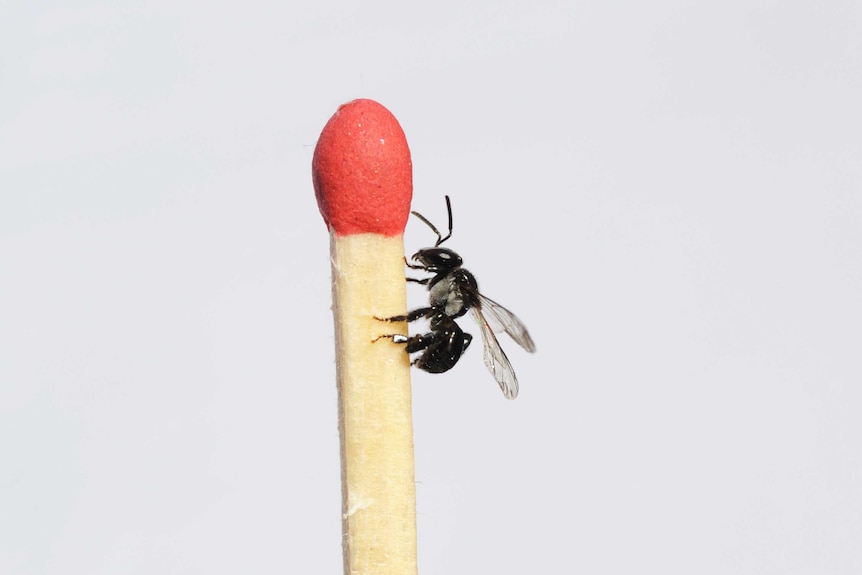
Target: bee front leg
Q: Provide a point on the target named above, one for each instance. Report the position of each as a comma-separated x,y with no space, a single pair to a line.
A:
414,266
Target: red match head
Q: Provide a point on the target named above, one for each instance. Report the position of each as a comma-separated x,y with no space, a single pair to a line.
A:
363,176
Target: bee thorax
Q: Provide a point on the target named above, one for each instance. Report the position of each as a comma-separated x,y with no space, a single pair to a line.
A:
446,294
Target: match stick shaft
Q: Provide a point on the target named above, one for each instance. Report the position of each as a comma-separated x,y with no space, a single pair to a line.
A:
375,411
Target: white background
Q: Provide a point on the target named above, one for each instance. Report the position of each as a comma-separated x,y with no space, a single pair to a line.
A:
669,194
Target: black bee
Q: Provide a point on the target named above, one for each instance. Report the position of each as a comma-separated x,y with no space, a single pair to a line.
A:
452,292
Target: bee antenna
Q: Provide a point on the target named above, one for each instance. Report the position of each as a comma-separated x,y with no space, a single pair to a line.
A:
448,209
440,238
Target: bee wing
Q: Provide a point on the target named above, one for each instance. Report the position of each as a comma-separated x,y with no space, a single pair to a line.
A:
502,320
495,359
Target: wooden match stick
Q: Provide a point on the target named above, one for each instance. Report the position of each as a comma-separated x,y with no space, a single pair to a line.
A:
363,180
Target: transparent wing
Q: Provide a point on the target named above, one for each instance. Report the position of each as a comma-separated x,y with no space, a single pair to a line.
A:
495,359
502,320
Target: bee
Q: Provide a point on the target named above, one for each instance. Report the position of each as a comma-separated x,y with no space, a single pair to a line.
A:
452,292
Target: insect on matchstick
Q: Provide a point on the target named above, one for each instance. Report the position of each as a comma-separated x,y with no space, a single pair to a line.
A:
452,292
363,180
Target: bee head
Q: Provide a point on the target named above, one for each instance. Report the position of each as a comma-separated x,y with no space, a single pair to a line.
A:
436,260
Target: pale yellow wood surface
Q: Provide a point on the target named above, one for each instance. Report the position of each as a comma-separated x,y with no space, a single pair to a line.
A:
375,412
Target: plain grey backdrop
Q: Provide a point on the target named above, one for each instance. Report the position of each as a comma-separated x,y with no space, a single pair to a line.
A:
667,193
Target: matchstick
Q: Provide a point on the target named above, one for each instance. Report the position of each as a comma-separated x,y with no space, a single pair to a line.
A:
363,181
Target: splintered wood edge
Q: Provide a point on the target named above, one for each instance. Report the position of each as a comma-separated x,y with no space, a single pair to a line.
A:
374,406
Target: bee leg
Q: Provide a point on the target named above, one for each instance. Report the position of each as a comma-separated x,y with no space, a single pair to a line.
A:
414,343
421,341
395,337
412,316
467,339
414,266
